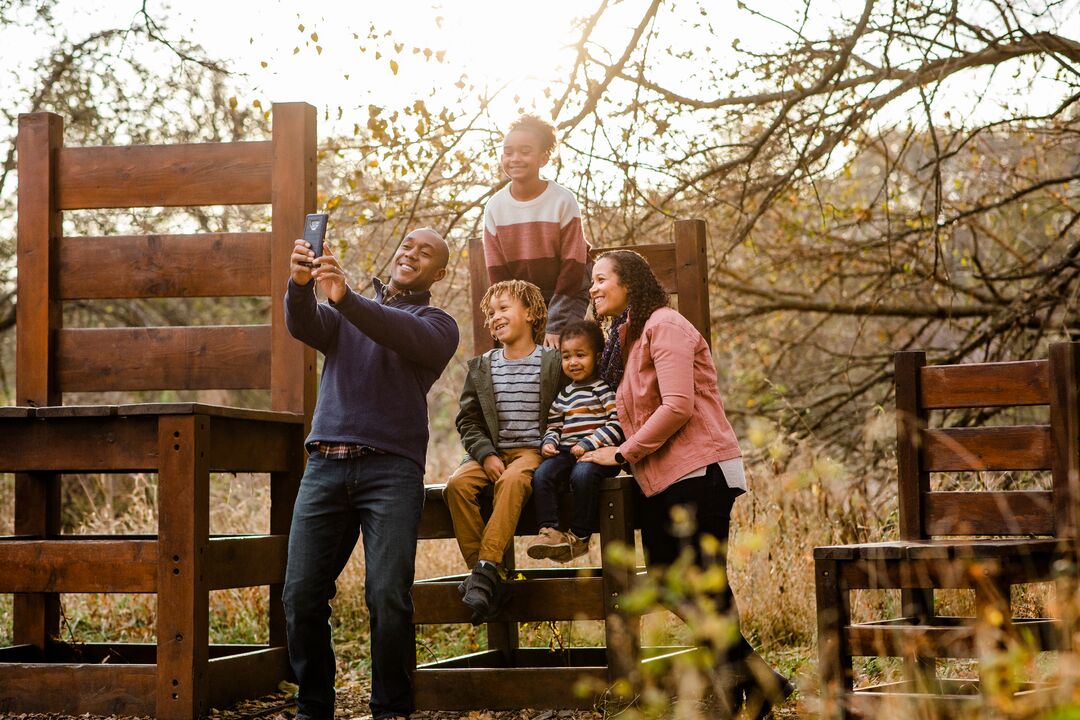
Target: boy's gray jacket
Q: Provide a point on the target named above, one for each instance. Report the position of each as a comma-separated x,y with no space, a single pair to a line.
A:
477,419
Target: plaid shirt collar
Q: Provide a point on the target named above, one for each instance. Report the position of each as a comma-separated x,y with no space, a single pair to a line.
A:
386,295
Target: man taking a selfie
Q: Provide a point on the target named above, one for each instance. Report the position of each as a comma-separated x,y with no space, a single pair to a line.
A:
365,468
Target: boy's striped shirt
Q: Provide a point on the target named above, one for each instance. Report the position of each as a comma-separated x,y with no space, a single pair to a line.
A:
584,413
517,399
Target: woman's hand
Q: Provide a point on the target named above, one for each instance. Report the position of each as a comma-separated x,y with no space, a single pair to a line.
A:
551,340
601,456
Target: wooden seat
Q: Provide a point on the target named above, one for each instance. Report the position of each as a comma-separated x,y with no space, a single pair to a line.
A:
505,675
182,675
985,541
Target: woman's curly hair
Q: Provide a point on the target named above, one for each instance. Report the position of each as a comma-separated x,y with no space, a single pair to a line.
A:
528,295
644,294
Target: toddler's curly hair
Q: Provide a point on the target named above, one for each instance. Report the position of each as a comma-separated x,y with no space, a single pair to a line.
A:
543,130
528,295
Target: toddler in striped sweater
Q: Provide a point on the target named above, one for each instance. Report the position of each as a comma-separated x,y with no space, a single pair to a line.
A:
581,419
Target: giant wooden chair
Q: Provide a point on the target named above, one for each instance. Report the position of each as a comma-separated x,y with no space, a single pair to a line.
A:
182,675
506,676
983,541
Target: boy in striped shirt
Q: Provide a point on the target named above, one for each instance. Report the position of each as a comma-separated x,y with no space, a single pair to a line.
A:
582,418
504,409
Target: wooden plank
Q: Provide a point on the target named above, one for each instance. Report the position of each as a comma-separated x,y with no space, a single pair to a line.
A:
283,490
245,561
76,444
996,384
661,259
251,445
296,420
881,640
19,654
990,513
478,285
530,601
78,566
250,675
435,521
292,364
913,479
183,593
77,689
505,689
163,358
150,266
692,281
1017,447
1065,429
164,175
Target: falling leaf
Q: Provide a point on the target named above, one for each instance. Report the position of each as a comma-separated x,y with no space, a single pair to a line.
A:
314,37
295,50
393,67
233,103
318,49
300,27
264,63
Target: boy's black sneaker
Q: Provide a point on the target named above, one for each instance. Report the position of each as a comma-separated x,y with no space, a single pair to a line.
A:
480,588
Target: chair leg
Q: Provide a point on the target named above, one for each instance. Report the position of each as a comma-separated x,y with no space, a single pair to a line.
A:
920,667
993,615
36,616
834,615
182,593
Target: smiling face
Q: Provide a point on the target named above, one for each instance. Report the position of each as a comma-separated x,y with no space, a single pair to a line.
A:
522,156
578,358
419,262
508,319
608,294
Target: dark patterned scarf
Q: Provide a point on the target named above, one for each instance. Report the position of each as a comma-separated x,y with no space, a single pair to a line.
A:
611,360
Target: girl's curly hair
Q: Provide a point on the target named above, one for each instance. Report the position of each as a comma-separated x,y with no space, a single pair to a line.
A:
644,294
541,129
528,295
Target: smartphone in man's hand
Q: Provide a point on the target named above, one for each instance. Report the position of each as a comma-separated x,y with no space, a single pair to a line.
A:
315,231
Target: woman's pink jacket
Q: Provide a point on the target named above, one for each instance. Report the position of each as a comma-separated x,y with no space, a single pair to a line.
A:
669,404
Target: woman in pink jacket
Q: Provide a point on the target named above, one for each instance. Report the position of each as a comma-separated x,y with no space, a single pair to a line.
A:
681,449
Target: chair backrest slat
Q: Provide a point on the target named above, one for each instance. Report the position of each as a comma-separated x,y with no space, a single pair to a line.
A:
163,358
164,175
1026,447
985,385
146,266
990,513
1053,446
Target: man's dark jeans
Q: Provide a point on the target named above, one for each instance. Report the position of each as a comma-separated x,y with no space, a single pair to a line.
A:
584,479
383,495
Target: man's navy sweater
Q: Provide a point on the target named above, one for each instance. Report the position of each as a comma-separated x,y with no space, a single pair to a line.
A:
381,360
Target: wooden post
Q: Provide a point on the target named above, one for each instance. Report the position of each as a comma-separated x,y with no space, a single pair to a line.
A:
622,630
478,285
183,597
36,616
292,197
691,272
833,616
914,483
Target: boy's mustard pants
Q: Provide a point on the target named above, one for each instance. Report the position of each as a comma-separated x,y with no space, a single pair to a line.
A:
489,542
